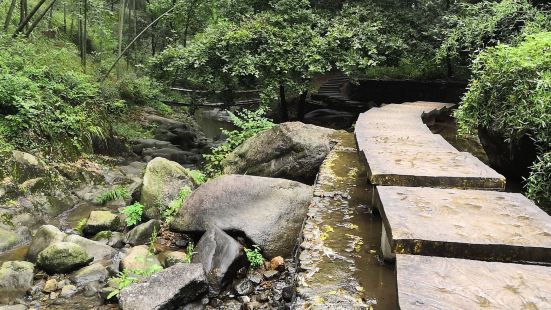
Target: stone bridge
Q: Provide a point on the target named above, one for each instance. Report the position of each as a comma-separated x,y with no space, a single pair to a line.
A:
458,241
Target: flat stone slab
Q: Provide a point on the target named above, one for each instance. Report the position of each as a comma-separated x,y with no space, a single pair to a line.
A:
400,150
472,224
426,282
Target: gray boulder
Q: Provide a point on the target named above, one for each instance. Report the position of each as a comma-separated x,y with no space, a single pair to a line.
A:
221,257
171,258
292,151
100,221
16,278
45,236
96,272
171,288
97,250
63,257
269,211
162,182
142,233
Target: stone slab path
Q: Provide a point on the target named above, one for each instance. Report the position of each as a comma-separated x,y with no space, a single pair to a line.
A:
459,242
473,224
399,149
452,284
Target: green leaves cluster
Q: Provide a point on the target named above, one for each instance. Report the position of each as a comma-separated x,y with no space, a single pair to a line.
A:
175,205
133,213
254,257
248,124
117,192
510,93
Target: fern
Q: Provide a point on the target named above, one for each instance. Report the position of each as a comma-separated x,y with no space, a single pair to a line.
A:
176,204
133,213
118,192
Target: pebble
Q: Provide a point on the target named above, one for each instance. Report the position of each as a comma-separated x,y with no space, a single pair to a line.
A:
270,274
244,299
50,286
277,263
68,291
244,287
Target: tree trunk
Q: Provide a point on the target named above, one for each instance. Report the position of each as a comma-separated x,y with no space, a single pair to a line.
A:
283,112
64,17
121,25
85,35
39,18
28,18
10,13
302,105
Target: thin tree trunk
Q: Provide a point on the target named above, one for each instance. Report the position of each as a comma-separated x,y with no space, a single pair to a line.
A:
85,35
135,39
64,17
39,18
121,25
28,17
10,13
51,17
283,112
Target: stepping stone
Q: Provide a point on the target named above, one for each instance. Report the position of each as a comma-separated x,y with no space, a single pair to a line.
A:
426,282
400,150
471,224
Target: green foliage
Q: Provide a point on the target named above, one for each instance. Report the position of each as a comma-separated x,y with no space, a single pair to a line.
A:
133,213
117,192
80,225
487,23
176,204
127,277
255,257
189,252
198,177
46,100
510,93
153,241
538,184
248,124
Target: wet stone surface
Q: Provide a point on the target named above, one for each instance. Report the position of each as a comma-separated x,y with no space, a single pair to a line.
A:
471,224
401,150
339,264
426,282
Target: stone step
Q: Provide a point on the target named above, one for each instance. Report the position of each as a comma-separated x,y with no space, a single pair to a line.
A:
445,283
470,224
437,164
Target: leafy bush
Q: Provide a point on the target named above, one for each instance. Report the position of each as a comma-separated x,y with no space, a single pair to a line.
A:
197,176
189,252
254,257
176,204
510,93
538,184
133,213
249,123
485,24
118,192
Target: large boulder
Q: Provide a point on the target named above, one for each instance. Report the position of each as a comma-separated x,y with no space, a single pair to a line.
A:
221,257
162,182
16,278
171,288
292,151
63,257
100,221
269,211
45,236
97,250
141,234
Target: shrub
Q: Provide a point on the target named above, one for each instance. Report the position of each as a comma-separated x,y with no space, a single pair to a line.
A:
248,124
133,213
254,257
118,192
538,184
510,93
487,23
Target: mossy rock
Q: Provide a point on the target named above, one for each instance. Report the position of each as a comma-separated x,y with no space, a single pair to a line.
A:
63,257
162,182
25,166
101,221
